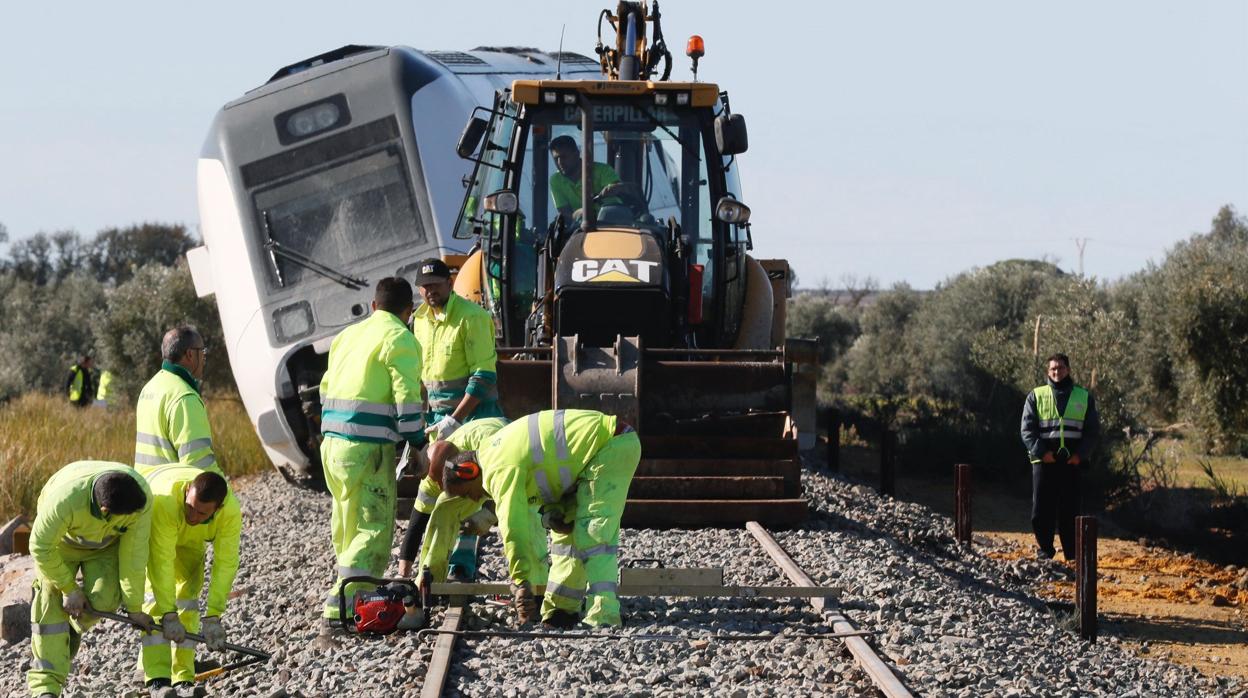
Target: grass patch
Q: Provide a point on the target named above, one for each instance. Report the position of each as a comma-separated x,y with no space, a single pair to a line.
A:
39,434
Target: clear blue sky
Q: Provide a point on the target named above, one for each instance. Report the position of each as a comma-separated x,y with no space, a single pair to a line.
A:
906,141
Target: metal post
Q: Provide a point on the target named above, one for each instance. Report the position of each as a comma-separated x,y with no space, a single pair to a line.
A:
888,478
1085,575
962,503
833,419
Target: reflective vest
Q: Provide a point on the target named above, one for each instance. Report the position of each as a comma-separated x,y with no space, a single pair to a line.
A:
106,382
371,390
1059,427
172,537
75,385
172,422
537,460
69,519
458,356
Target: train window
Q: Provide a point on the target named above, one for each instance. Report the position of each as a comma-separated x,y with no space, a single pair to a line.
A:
339,215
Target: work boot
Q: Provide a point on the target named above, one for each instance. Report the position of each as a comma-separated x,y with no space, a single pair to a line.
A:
187,689
47,695
331,634
561,619
1045,554
160,688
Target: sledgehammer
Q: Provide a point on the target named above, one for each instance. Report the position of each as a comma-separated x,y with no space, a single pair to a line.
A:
254,656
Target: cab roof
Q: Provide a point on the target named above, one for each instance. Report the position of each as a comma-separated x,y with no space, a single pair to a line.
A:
702,94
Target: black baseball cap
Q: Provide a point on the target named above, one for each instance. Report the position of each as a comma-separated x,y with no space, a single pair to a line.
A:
430,270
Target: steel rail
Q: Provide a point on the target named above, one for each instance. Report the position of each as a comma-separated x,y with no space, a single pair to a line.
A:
443,650
461,589
879,671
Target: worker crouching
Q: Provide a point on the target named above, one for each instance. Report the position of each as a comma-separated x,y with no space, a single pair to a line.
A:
577,465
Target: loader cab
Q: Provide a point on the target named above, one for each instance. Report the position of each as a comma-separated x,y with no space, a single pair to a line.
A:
650,256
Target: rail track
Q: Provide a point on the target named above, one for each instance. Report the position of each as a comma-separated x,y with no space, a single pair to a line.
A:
856,641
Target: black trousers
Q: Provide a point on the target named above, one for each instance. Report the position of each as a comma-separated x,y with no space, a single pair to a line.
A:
1055,502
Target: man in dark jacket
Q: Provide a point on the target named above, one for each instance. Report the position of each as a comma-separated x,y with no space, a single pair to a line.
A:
1060,427
80,382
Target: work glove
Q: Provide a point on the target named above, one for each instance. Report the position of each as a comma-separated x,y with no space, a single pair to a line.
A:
213,632
172,628
443,429
142,620
479,523
553,520
75,603
523,600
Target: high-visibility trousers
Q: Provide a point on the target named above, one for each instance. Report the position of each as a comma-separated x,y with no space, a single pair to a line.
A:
360,477
51,627
162,659
585,563
444,545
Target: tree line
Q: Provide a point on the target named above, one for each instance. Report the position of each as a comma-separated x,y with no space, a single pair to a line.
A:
111,295
950,367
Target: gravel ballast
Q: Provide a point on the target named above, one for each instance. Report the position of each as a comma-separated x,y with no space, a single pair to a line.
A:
953,622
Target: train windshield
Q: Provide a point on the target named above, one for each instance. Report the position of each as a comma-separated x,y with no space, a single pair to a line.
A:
336,215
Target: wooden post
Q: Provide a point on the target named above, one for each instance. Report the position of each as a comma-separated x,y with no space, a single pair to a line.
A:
1085,575
888,478
962,503
833,420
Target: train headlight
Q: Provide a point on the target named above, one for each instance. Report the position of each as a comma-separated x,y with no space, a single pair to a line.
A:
297,124
293,322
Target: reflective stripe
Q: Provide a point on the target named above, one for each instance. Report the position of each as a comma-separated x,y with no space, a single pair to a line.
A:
154,440
1076,423
561,437
204,462
145,459
425,498
543,485
409,408
331,601
194,445
603,587
358,406
604,549
447,385
565,481
154,640
565,592
349,429
149,599
412,427
1069,433
186,645
535,440
188,604
42,665
89,544
49,628
344,572
441,404
1050,423
564,551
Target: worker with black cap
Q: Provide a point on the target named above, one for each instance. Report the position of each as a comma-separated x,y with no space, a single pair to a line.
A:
459,373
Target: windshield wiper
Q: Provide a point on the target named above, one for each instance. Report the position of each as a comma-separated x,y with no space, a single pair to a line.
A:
275,248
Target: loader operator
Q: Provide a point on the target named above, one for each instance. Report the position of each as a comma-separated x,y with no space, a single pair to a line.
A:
94,516
370,398
578,464
440,521
459,372
565,184
1060,426
192,507
171,420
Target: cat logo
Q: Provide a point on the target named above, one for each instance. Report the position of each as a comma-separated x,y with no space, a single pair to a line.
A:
612,270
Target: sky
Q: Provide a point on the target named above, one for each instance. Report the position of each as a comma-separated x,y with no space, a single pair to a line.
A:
902,141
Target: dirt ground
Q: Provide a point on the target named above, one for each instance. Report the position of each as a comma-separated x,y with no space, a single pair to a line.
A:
1162,603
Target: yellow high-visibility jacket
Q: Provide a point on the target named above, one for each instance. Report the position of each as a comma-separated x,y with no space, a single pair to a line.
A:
457,349
172,422
371,390
172,536
537,460
68,518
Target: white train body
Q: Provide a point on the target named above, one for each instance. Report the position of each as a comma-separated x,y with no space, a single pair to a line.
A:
339,171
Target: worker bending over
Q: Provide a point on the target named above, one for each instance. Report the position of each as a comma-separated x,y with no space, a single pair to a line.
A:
171,420
578,464
92,516
192,508
370,398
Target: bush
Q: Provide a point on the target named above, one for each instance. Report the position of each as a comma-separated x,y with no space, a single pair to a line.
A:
43,330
